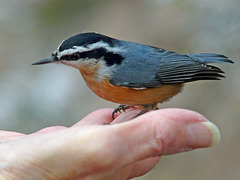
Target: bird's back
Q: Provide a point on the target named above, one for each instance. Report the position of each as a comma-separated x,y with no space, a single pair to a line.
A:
146,66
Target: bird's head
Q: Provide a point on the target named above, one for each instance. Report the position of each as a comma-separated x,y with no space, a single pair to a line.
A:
86,49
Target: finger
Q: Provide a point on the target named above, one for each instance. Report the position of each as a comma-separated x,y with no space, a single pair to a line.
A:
144,166
8,135
50,129
126,116
100,116
165,131
137,169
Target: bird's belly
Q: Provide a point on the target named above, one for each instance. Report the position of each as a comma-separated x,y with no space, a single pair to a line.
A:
130,96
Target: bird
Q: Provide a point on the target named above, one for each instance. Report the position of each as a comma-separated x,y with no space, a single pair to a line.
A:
133,74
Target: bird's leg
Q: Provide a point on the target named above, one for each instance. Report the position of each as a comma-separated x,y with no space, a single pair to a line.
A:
119,108
147,107
143,107
141,112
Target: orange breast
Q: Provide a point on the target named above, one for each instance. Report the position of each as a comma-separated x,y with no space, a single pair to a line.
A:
129,96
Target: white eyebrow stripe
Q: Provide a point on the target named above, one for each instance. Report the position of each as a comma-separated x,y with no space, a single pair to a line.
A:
90,47
71,51
104,45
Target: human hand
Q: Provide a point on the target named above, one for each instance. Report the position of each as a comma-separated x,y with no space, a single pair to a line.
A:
91,150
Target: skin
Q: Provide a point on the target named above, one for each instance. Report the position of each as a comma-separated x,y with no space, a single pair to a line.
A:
124,149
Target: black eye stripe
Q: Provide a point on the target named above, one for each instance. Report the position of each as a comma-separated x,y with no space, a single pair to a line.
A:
72,57
76,56
110,57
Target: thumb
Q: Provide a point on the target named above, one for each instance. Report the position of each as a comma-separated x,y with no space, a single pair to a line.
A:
165,132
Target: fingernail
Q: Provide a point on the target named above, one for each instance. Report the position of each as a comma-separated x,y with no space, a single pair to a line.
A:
204,134
216,136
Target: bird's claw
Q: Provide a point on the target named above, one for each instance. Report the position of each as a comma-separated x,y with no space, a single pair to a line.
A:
119,109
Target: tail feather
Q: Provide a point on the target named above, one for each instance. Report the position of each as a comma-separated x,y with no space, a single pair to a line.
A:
210,58
194,70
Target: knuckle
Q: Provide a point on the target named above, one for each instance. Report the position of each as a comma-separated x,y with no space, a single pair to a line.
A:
157,142
100,151
166,137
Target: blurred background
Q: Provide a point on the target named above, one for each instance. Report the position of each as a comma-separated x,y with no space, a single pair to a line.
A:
34,97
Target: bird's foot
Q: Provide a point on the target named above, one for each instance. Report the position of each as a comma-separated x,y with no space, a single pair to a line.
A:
119,109
147,107
142,112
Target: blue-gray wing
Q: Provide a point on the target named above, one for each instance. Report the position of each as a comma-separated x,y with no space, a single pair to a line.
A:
146,67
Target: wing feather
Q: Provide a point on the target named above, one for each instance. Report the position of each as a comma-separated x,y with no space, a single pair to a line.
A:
153,67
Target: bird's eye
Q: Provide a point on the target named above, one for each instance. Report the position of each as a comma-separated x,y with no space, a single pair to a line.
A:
75,56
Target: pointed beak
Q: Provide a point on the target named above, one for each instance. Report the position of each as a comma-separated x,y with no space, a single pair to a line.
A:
46,61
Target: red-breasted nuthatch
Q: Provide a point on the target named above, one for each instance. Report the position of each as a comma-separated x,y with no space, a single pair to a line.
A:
133,74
